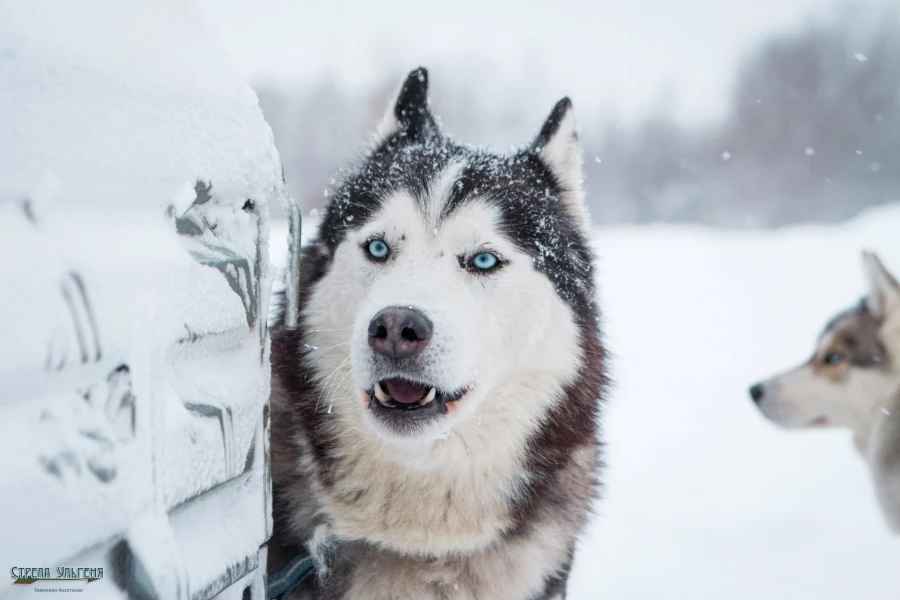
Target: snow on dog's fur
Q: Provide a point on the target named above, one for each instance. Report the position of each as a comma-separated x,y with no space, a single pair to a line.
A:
436,411
852,380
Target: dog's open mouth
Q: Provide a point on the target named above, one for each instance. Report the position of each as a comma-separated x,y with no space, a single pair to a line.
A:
410,395
400,400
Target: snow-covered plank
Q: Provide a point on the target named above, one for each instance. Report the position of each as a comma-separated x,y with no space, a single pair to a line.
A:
135,173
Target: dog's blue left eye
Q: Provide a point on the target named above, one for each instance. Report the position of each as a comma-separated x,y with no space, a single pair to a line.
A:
485,261
378,249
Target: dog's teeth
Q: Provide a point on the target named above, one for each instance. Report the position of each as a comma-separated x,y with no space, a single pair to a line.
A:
382,396
428,397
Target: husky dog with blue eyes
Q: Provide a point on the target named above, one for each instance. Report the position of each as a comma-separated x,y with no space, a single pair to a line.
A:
435,416
852,380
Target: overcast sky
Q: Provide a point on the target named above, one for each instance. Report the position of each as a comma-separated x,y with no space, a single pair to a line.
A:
623,53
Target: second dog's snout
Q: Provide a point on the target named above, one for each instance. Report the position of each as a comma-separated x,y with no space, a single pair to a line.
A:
399,332
757,391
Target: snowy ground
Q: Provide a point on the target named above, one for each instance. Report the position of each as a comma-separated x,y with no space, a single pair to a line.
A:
704,499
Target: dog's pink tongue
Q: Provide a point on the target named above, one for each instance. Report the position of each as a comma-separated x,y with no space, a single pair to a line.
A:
405,392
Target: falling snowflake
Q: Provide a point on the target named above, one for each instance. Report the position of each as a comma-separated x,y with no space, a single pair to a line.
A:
726,156
597,158
809,151
860,57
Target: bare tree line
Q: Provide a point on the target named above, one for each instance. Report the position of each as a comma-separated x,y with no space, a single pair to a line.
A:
812,132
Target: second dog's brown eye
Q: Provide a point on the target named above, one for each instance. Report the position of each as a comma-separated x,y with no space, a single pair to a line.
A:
833,358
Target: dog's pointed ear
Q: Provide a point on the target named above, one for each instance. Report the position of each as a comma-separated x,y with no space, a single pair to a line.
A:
408,114
558,147
884,291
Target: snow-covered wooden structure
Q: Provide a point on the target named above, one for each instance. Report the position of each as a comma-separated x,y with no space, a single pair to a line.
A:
135,173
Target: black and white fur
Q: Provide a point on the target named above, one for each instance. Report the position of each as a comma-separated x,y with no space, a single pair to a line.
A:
482,495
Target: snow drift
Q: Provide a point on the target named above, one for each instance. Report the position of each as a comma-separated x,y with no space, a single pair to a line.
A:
703,499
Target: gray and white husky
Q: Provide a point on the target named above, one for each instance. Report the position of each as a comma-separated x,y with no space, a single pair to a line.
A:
852,380
435,416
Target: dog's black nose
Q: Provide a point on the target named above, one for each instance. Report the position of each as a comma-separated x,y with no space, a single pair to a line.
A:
757,391
399,332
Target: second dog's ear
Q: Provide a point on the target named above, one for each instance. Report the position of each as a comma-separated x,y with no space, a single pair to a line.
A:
409,115
558,147
884,295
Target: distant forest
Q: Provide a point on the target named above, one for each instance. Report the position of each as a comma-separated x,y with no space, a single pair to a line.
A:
811,133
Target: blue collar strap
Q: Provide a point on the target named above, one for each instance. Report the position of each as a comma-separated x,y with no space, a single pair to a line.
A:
293,574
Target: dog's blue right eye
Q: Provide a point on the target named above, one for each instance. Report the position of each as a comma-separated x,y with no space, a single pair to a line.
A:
378,249
485,261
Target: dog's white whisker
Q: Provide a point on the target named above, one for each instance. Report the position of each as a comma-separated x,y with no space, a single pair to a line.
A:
333,347
326,380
